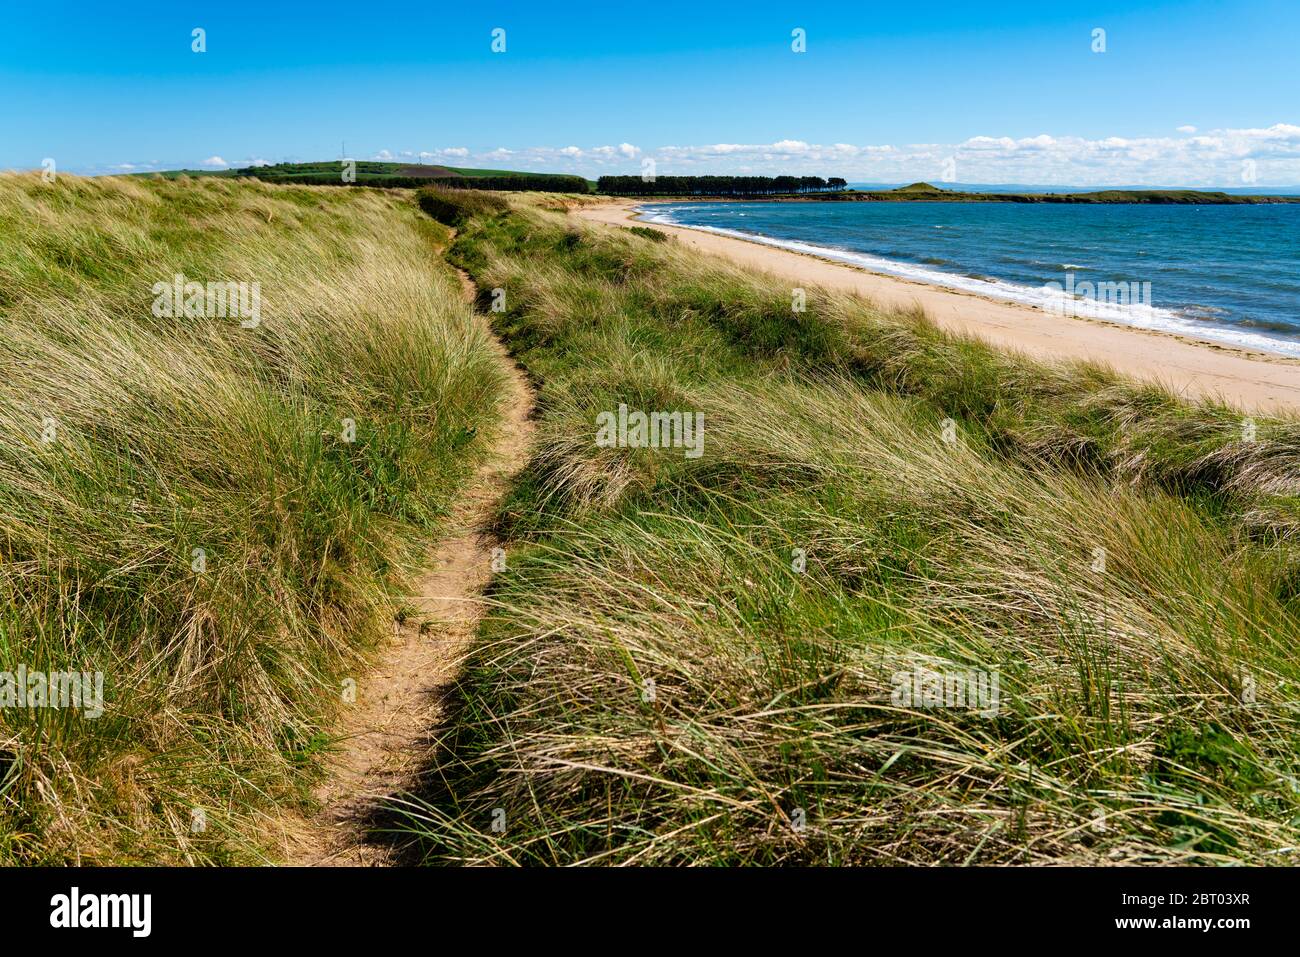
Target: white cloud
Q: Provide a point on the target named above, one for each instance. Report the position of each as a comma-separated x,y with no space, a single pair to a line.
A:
1211,159
215,161
614,153
1190,158
989,143
383,156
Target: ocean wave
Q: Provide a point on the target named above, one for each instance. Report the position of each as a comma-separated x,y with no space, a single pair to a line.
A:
1142,316
1271,325
1199,311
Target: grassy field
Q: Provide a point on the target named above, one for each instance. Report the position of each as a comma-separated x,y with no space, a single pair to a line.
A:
407,176
385,175
332,168
731,657
215,514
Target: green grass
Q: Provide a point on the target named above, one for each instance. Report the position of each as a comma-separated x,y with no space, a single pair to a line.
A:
172,435
452,207
331,167
1125,562
367,173
190,173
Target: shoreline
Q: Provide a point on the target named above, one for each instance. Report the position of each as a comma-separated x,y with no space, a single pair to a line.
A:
1194,367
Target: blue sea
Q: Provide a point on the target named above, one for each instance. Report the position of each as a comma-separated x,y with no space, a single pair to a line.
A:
1227,273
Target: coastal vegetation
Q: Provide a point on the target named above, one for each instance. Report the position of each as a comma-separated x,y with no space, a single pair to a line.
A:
916,601
452,207
896,597
214,515
394,176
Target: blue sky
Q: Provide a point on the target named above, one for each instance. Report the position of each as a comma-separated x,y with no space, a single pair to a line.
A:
1190,93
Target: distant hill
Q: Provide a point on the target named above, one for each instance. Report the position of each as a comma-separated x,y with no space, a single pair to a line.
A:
376,173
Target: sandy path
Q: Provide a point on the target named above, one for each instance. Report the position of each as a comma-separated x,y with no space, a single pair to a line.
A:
383,737
1251,380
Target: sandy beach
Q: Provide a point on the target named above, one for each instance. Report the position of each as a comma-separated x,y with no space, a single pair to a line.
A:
1254,381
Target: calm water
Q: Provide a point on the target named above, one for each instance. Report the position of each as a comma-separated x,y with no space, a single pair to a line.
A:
1230,273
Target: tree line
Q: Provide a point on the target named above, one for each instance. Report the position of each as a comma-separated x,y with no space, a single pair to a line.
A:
716,185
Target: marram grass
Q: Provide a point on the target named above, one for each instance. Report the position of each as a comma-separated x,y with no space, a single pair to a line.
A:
131,441
698,661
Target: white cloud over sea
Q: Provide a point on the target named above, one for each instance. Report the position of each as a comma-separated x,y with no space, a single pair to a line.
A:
1185,157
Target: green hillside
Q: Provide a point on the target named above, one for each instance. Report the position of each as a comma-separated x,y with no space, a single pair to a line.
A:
407,175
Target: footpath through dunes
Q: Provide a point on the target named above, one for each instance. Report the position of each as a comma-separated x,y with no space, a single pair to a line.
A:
401,704
1195,368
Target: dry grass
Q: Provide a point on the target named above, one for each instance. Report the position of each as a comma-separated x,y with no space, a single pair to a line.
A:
171,435
1147,707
